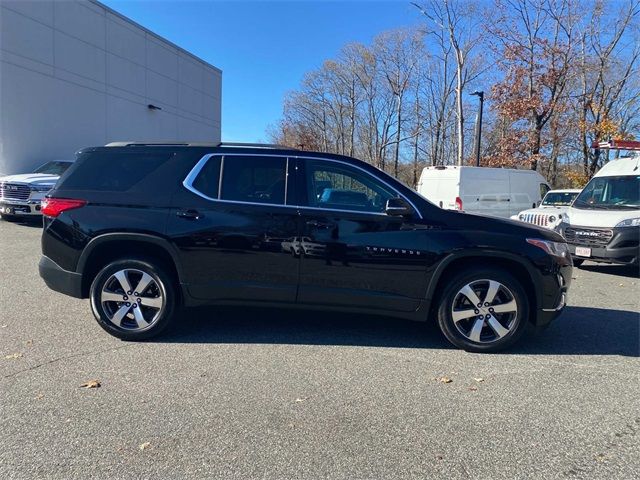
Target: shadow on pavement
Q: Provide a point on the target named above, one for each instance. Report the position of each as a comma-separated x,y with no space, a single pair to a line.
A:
578,331
622,270
34,222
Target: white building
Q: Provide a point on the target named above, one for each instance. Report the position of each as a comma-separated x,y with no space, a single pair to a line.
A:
76,73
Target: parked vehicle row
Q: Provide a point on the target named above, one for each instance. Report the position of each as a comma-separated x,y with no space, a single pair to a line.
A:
276,226
22,194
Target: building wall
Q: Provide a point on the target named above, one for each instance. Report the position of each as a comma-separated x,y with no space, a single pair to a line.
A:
76,74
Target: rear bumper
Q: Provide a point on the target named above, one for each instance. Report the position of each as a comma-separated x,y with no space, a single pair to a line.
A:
59,279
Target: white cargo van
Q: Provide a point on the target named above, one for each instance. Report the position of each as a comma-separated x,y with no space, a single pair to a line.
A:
499,192
603,222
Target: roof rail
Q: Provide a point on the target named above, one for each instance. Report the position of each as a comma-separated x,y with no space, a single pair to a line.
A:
256,145
198,144
162,144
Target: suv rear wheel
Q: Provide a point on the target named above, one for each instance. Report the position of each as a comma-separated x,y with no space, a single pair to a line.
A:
133,299
483,310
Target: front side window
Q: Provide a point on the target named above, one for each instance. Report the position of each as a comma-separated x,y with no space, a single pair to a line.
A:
254,179
340,187
544,188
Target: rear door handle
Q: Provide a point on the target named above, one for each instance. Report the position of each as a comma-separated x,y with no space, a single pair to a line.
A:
318,224
189,214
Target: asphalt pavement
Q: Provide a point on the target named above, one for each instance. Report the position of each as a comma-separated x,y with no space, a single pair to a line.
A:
248,393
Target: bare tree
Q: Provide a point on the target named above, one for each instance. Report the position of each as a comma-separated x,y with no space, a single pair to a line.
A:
455,20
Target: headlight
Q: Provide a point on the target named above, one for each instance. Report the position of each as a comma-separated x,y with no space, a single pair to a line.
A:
552,218
629,222
521,216
556,249
41,188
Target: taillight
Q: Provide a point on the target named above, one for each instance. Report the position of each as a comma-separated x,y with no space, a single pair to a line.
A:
52,207
458,203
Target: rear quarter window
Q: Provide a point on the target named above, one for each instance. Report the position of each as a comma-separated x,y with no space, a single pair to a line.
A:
112,170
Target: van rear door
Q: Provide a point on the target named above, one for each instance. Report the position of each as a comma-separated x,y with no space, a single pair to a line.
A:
440,186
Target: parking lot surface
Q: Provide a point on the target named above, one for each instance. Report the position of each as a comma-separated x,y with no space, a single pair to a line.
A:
239,393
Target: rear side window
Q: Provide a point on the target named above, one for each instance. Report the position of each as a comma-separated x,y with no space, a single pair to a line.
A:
258,179
112,170
208,180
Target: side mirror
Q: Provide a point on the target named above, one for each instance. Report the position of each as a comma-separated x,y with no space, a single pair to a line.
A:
398,207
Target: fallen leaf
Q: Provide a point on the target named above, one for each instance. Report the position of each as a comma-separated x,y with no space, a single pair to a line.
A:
91,384
479,379
13,356
39,396
144,445
473,389
444,380
601,457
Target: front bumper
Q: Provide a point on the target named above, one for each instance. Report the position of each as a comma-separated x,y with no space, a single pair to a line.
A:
59,279
623,248
20,207
554,283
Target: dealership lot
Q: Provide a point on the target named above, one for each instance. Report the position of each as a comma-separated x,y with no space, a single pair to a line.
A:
238,393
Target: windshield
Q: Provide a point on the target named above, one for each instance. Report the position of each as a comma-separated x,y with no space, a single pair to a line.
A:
610,193
53,168
559,199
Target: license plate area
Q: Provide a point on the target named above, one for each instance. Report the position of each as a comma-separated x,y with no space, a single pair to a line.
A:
583,252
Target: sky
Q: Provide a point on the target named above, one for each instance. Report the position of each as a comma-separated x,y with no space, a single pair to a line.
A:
264,48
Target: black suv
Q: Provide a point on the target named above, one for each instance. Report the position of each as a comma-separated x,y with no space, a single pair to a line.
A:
142,229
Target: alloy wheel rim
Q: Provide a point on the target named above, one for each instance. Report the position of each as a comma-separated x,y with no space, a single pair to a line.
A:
484,311
132,299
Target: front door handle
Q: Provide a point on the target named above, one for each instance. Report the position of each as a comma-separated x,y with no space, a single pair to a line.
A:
318,224
189,214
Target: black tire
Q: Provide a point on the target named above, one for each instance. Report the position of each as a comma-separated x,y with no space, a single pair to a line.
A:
514,323
577,262
161,291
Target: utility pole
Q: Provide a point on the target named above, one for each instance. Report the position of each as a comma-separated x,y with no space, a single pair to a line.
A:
480,95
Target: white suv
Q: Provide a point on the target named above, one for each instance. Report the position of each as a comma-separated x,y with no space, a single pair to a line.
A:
553,206
22,194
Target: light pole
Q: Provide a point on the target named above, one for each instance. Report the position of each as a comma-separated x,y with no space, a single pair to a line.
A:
480,95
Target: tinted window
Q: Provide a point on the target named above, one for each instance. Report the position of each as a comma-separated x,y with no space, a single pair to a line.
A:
112,170
53,168
208,180
334,186
254,179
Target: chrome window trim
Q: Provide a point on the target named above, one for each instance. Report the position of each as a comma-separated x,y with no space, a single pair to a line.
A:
192,175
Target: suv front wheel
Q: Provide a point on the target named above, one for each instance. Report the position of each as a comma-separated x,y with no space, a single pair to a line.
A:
483,310
133,299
